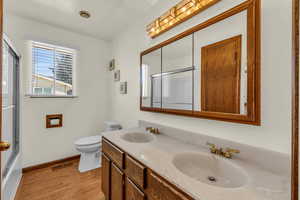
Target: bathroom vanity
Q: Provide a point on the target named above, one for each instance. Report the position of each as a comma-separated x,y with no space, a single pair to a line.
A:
130,182
138,165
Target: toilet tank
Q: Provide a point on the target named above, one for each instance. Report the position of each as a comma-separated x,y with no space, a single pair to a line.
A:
112,126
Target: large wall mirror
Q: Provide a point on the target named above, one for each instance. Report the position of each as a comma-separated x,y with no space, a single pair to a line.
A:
210,71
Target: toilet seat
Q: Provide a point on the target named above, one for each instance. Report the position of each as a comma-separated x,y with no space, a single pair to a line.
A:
86,141
89,148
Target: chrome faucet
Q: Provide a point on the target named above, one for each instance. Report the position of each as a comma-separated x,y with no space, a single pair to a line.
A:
228,153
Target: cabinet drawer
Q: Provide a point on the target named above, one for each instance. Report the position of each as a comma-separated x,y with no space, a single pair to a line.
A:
135,171
133,192
115,154
158,189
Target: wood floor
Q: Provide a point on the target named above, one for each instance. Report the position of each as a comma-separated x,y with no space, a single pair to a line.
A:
61,182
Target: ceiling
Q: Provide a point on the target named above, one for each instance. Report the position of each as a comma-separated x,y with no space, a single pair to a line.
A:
108,17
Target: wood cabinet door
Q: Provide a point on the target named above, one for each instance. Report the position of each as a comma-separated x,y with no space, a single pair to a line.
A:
132,192
117,183
106,176
158,189
220,76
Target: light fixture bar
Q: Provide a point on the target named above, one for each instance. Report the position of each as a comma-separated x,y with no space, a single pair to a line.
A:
181,12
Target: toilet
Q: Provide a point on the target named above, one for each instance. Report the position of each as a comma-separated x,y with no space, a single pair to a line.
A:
90,148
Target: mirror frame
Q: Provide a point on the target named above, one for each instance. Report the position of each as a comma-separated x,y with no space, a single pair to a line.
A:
253,55
295,101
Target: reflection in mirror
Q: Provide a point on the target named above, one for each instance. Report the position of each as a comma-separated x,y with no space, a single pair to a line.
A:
209,71
220,76
177,74
151,82
221,66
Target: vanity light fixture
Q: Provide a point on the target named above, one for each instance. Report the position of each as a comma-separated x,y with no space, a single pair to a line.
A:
181,12
85,14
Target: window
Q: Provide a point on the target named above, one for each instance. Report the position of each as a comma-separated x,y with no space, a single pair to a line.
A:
52,70
42,91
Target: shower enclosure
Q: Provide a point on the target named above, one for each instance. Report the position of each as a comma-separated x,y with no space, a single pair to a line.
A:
11,162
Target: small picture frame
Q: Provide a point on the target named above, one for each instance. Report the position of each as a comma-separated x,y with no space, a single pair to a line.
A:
123,88
54,121
112,65
117,75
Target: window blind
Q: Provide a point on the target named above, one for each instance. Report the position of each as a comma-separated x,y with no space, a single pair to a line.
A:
52,72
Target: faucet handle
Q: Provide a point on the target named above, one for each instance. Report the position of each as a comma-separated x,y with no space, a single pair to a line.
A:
233,150
213,147
148,128
229,152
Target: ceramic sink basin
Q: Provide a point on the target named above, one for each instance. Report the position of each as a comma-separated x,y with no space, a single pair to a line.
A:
138,137
210,169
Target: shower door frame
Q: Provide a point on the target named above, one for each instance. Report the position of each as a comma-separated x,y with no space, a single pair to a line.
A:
295,101
16,110
1,74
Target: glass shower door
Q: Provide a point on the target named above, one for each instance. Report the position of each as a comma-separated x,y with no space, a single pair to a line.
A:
10,121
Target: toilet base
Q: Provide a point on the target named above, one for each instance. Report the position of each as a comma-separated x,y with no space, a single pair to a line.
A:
89,161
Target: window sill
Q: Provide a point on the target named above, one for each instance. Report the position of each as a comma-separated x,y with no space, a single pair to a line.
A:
51,96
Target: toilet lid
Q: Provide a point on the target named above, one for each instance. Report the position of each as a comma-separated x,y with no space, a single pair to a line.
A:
89,140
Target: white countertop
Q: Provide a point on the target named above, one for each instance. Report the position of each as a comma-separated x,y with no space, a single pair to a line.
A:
263,184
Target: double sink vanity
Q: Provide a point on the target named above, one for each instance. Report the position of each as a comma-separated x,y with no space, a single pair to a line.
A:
165,163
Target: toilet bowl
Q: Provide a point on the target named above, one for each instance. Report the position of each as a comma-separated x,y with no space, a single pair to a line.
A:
90,149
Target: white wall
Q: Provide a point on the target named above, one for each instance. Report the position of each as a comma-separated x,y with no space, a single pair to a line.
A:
84,115
275,131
